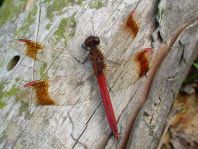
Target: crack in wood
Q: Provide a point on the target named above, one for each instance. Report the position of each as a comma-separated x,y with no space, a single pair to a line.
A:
128,102
15,141
111,88
159,36
166,49
113,23
129,125
86,125
76,140
172,77
169,44
153,116
36,36
182,58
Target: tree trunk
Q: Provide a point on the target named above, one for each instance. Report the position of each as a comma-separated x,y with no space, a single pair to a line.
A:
170,27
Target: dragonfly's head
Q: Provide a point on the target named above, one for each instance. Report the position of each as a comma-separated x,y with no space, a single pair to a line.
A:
91,42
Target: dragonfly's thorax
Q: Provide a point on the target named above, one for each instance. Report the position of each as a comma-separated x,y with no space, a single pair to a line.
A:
97,60
96,57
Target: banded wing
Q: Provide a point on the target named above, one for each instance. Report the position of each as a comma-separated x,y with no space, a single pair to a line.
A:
43,52
53,69
55,92
46,56
130,71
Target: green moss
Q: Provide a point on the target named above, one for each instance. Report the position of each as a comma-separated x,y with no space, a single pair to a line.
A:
42,69
42,72
1,64
2,84
161,13
12,92
10,9
3,135
96,4
79,2
57,7
48,26
25,27
23,107
17,79
47,1
5,94
66,29
2,104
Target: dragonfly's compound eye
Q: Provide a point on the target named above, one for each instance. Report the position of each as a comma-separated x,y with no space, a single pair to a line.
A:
91,41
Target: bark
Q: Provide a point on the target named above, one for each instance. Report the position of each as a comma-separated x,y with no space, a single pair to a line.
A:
169,26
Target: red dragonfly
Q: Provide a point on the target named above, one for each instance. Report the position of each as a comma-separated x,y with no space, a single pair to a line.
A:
136,67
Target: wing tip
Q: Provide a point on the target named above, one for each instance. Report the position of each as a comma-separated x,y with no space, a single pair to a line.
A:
150,50
132,13
23,40
30,84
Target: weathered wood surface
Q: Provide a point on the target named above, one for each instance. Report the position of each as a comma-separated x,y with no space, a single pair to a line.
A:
83,124
177,48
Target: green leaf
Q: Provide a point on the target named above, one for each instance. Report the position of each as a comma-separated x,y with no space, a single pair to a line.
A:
195,65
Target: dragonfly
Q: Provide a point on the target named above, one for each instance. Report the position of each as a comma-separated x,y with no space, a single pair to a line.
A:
45,88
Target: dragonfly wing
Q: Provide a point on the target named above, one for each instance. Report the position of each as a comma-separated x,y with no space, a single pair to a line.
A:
62,88
128,72
29,48
48,58
64,92
44,53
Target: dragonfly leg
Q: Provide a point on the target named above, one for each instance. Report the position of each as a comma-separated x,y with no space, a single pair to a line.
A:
80,61
84,47
112,64
115,63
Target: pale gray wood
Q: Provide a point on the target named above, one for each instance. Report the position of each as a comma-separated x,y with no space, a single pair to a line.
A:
177,48
81,123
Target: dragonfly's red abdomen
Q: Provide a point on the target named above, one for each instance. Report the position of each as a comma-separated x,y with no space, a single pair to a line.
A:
108,107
